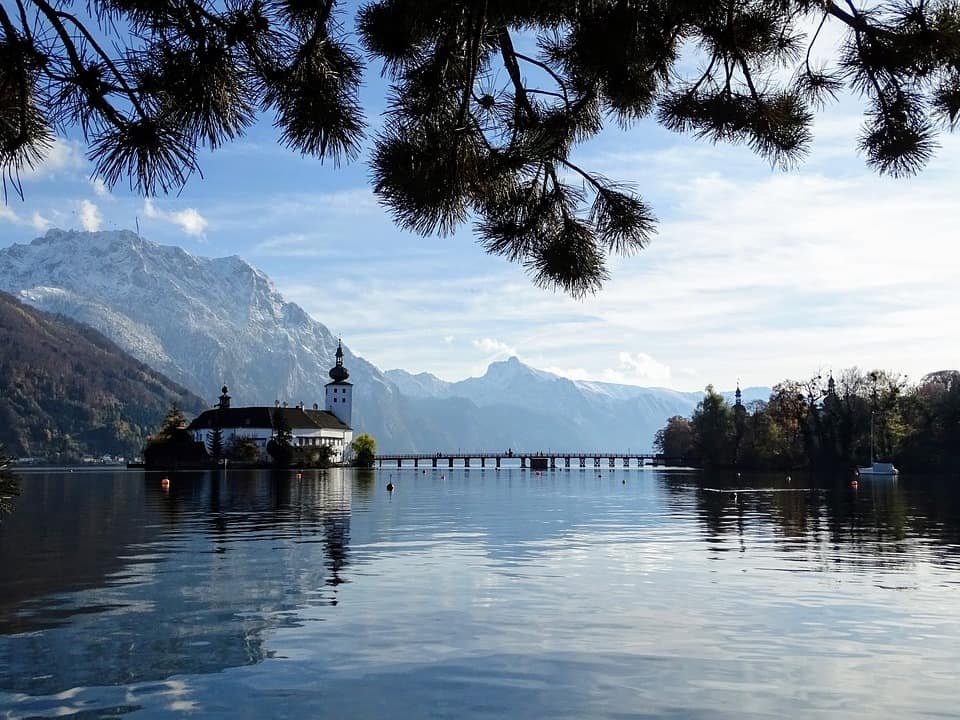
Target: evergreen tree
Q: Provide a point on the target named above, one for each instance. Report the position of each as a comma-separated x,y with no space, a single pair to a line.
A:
476,128
713,429
215,444
280,446
173,422
916,428
173,446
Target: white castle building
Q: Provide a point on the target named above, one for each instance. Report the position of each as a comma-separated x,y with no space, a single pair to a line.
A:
309,427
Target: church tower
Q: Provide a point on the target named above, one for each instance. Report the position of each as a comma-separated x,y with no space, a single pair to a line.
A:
224,399
339,400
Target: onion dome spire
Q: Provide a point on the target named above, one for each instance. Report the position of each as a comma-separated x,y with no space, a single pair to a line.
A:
224,399
338,372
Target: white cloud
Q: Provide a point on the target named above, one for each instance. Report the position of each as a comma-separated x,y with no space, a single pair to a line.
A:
90,217
494,348
39,221
99,187
36,220
63,156
304,245
640,368
188,220
7,214
632,369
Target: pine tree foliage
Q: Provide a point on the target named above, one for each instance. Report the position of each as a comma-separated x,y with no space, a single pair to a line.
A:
174,422
489,99
826,425
215,444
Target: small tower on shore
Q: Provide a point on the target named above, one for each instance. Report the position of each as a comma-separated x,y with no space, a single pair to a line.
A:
224,399
339,399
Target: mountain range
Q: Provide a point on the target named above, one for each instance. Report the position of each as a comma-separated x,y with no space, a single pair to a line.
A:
205,322
67,391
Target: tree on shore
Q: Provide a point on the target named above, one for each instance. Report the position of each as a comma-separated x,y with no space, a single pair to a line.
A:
173,445
9,487
826,425
675,439
242,449
364,450
479,128
280,447
713,430
313,456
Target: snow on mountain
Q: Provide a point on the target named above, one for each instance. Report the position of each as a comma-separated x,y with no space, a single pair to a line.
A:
201,321
601,416
421,385
208,321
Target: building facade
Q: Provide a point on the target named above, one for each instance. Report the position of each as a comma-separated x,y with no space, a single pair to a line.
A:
309,427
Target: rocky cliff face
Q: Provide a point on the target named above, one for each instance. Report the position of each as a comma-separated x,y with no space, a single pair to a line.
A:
204,322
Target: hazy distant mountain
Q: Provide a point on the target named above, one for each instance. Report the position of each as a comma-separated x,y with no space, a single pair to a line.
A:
209,321
421,385
595,415
66,388
583,418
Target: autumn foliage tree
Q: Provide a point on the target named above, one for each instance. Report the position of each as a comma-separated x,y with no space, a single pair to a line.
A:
488,101
364,449
675,439
825,424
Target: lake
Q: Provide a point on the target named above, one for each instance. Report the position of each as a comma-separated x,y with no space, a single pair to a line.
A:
466,594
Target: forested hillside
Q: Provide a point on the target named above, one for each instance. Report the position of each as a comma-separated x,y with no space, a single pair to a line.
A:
67,391
827,424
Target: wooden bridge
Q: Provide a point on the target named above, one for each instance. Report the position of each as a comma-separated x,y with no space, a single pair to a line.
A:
530,460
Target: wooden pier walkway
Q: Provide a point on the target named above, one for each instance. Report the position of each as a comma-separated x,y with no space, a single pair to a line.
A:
529,460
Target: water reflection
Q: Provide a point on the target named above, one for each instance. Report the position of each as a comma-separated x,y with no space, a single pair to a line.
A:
185,580
477,594
871,524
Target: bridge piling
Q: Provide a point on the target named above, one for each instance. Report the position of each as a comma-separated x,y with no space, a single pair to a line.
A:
529,461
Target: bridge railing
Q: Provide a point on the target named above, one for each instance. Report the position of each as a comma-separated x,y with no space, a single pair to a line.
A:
529,457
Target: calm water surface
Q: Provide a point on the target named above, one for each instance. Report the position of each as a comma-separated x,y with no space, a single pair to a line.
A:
468,594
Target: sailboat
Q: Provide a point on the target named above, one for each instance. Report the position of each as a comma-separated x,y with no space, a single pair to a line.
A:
877,469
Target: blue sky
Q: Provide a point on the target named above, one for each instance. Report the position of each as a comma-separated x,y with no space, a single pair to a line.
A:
755,273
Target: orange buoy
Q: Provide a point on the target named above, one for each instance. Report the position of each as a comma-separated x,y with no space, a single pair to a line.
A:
854,484
299,476
165,483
